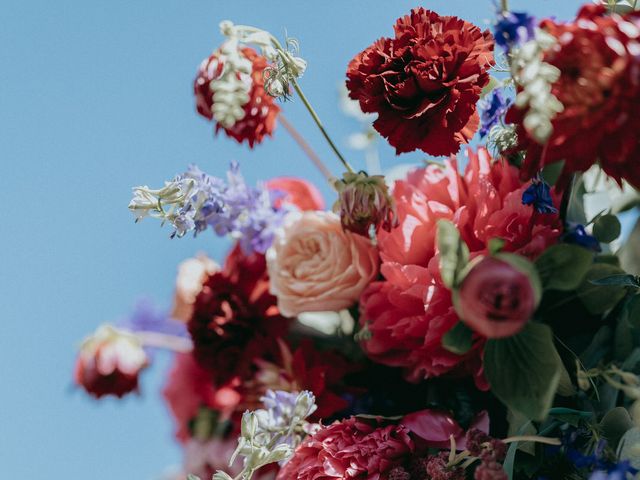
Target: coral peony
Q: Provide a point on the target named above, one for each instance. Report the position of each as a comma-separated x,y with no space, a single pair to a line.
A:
406,315
425,82
297,192
189,388
235,318
316,266
351,449
598,86
229,89
496,299
109,363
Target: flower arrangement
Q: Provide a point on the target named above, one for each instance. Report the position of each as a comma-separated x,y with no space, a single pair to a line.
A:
478,317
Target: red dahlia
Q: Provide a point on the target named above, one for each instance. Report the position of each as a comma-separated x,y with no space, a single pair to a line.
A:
235,318
424,82
599,86
260,110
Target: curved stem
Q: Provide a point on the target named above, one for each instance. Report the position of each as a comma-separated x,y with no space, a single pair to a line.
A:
316,119
299,139
533,438
165,341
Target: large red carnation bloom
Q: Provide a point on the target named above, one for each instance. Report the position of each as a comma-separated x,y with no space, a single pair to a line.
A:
599,86
408,313
260,112
424,83
235,318
349,450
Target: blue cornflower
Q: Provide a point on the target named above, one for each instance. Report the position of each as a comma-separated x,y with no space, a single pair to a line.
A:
513,29
539,195
492,108
577,235
618,471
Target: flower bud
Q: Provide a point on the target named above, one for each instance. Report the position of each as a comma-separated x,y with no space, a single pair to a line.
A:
249,425
109,362
496,299
305,405
364,201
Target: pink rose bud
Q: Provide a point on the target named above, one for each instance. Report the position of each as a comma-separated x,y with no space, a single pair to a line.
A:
496,299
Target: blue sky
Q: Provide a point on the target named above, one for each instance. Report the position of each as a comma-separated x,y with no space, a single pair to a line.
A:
95,97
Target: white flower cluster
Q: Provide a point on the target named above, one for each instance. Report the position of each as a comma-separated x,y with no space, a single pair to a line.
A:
535,77
271,435
231,85
286,65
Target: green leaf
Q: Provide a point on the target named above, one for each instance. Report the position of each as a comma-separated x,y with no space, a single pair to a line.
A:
628,447
493,83
524,370
458,339
523,265
551,172
562,266
496,245
607,228
192,477
600,298
632,311
620,279
454,253
614,425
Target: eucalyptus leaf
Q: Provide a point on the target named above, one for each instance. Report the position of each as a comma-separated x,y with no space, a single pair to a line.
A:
454,253
458,339
600,298
562,267
524,370
614,425
607,228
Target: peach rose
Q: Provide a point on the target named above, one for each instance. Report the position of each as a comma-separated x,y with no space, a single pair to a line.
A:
316,266
191,274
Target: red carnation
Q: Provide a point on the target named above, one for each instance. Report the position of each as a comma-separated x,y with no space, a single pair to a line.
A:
353,449
600,89
260,110
424,83
110,362
408,313
235,318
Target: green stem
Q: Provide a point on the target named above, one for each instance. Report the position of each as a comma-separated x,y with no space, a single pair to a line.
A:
504,5
316,119
533,438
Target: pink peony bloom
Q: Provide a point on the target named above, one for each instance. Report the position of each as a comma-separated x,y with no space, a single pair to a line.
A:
351,449
110,362
190,387
495,299
408,313
298,192
316,266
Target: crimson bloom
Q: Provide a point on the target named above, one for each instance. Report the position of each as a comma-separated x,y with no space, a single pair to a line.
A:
351,449
235,318
259,111
110,362
424,82
407,314
598,86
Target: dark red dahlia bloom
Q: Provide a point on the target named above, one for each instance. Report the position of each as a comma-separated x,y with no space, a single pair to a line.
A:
109,363
424,82
352,449
235,318
599,86
260,110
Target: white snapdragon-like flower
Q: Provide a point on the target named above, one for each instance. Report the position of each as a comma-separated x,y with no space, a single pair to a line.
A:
535,77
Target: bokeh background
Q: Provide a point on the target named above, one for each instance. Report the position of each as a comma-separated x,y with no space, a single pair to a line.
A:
96,97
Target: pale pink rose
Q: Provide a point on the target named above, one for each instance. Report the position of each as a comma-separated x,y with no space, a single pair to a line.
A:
314,265
191,275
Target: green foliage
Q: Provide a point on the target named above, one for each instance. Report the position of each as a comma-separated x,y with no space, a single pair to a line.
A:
632,311
619,279
458,339
562,266
607,228
551,172
454,253
599,298
496,245
524,370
